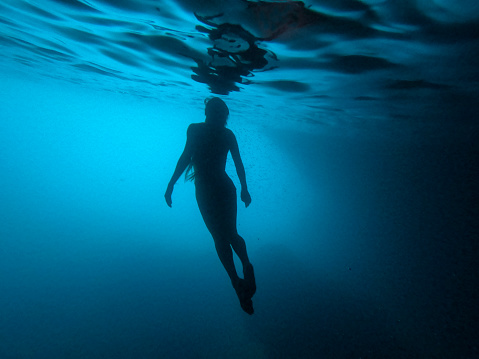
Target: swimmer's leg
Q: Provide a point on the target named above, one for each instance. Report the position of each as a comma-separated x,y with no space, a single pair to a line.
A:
241,286
245,299
225,254
239,246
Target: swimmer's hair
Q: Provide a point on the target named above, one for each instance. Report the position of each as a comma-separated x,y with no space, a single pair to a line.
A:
216,111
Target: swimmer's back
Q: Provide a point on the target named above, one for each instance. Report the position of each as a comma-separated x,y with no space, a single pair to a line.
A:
210,147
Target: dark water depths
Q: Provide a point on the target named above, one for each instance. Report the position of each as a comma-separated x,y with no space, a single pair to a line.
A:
357,124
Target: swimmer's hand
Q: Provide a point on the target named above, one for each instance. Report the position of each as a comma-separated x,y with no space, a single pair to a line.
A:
245,197
169,191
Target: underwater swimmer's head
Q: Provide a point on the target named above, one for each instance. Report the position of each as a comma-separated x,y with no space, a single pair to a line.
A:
216,111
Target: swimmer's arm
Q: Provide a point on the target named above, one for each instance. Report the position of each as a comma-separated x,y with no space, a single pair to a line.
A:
234,149
183,162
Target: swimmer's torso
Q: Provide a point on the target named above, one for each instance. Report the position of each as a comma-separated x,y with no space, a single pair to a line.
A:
210,147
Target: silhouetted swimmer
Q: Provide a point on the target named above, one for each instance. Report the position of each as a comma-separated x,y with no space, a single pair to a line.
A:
206,149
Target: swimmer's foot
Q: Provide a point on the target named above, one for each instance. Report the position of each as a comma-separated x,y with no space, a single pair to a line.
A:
243,296
249,279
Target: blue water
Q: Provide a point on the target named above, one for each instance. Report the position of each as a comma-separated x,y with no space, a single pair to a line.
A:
357,124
